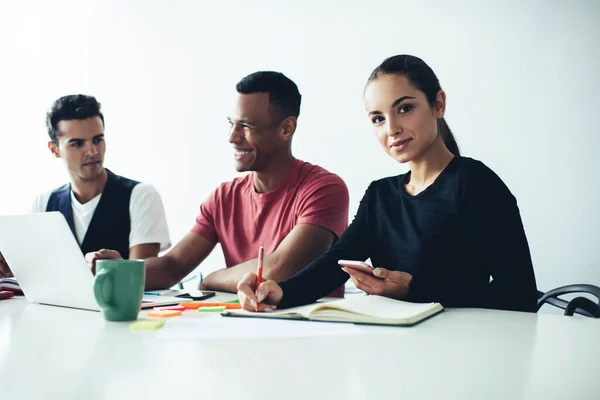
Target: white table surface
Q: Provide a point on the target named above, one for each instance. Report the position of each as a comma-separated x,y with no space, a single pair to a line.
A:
58,353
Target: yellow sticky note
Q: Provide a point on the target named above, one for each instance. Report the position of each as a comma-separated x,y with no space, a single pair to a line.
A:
147,325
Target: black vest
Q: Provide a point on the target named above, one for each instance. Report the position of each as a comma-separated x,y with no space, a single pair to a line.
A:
110,224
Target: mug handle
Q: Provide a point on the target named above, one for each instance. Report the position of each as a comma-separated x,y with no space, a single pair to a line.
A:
103,280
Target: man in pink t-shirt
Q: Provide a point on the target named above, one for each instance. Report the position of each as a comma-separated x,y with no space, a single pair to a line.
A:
242,219
294,209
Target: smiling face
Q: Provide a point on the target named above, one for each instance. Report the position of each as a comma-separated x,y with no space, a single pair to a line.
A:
257,137
405,124
81,146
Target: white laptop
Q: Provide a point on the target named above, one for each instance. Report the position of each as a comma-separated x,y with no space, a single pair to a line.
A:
46,260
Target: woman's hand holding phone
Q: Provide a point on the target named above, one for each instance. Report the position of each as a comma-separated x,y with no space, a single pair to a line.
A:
377,281
359,265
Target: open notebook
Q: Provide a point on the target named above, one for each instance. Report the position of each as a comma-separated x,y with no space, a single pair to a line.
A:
375,310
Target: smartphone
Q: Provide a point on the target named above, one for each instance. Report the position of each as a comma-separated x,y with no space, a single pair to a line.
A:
188,294
197,294
359,265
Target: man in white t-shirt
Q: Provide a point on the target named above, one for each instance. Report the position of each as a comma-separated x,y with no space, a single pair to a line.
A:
103,210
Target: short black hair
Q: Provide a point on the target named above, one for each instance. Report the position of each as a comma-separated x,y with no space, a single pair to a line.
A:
284,96
73,106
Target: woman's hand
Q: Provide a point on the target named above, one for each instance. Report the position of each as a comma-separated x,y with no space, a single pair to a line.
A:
265,298
381,282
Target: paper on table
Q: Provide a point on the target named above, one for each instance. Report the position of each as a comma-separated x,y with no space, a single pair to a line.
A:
218,327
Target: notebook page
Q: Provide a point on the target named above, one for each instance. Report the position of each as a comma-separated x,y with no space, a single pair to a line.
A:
302,311
379,307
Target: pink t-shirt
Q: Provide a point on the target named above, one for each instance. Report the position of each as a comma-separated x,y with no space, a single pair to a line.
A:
241,219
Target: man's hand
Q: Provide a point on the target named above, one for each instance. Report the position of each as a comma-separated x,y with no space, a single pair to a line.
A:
5,271
103,254
382,282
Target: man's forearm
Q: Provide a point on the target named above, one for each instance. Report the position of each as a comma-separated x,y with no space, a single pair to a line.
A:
226,279
160,274
144,251
223,280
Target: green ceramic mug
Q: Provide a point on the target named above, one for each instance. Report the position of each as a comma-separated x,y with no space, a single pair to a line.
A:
119,288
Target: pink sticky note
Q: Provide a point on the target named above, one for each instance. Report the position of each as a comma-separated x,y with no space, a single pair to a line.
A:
176,308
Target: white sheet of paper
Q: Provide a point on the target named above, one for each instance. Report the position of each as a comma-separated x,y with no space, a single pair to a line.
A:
217,327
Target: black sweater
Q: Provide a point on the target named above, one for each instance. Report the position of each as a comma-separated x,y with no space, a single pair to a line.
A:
454,236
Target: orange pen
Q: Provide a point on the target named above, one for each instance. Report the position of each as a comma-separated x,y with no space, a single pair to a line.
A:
259,268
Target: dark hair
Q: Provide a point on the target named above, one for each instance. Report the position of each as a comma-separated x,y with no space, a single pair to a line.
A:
74,106
424,79
284,96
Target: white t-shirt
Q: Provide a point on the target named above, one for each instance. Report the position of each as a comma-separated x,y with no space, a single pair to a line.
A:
146,210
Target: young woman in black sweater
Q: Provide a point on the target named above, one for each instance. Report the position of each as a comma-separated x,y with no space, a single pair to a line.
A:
448,231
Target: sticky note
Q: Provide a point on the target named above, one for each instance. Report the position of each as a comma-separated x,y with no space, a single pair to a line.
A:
164,313
212,309
233,306
190,305
147,325
175,308
236,301
196,305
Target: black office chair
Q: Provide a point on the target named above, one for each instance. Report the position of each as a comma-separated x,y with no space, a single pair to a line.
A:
579,305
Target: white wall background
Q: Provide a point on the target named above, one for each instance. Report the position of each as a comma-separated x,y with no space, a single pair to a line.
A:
522,80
